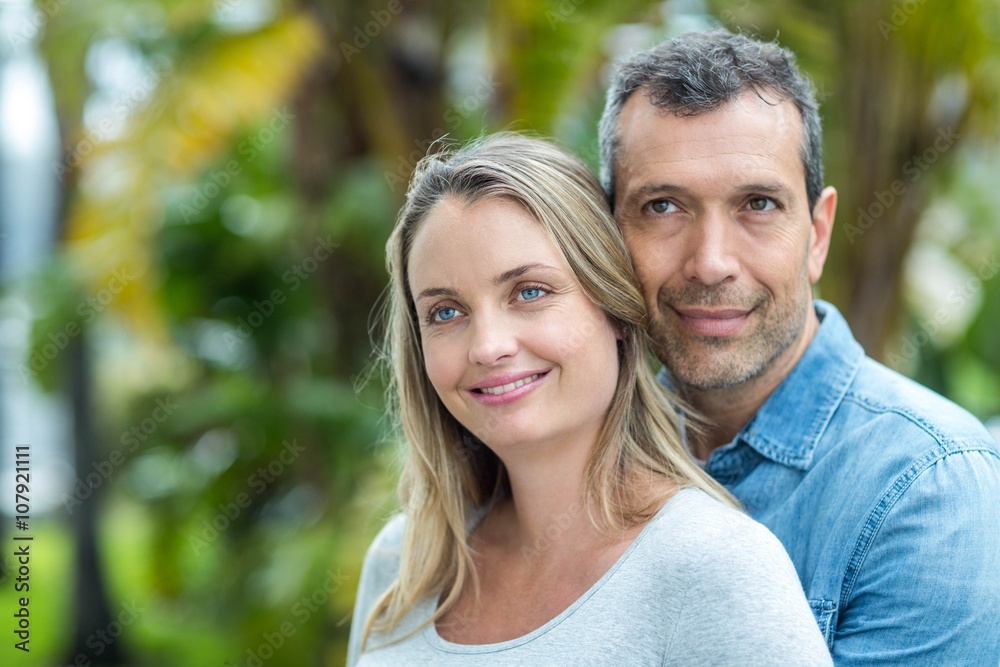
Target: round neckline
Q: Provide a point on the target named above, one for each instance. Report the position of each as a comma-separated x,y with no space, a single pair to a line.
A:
430,632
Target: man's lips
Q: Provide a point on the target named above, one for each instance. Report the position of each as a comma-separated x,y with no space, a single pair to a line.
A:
715,322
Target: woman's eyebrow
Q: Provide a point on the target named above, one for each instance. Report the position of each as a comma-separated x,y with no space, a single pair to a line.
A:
507,276
436,291
504,277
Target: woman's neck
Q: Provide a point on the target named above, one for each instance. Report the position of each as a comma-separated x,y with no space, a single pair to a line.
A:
548,505
547,519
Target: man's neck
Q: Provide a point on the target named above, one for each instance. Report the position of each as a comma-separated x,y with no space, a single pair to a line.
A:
729,409
726,411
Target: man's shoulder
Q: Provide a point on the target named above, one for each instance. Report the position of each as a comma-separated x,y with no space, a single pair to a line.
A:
889,433
887,400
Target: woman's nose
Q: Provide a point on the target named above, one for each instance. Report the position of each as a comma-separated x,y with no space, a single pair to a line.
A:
494,338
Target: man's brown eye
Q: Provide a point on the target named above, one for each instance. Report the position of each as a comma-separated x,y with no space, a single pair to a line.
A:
659,206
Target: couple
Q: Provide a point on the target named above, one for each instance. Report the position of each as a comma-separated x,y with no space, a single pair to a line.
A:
560,506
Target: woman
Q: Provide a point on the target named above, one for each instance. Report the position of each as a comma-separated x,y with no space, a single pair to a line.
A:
550,512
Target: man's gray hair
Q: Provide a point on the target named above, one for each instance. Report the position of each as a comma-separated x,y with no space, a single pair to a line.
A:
702,71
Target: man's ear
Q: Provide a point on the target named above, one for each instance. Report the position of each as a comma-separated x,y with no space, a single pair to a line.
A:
822,227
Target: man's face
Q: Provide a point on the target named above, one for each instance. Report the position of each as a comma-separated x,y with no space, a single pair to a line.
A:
715,214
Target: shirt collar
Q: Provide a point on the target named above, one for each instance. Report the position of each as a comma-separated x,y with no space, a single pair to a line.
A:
792,420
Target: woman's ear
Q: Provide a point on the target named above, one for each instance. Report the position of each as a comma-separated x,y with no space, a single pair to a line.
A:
616,326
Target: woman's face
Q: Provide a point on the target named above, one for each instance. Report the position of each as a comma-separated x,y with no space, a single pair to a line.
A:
514,348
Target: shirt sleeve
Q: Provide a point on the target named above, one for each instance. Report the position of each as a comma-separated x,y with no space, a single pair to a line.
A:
379,571
924,587
744,606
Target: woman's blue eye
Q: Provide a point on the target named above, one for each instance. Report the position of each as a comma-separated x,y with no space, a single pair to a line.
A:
445,314
530,293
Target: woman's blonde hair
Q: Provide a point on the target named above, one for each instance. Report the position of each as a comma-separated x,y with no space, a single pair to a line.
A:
450,474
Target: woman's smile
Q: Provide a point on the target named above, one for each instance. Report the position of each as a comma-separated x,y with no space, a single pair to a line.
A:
504,389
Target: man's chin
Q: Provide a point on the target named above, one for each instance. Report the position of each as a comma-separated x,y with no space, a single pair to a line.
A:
717,363
708,369
702,379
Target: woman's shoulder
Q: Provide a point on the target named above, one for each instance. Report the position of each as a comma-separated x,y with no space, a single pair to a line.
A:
715,520
381,564
736,575
379,571
390,538
696,525
385,548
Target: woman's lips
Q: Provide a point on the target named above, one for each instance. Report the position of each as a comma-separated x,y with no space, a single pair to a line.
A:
503,389
506,389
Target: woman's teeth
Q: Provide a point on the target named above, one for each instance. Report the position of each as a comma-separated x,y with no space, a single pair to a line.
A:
496,391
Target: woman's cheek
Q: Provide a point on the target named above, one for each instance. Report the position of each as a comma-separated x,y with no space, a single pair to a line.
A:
440,366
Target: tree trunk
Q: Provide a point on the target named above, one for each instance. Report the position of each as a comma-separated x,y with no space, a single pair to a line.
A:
91,612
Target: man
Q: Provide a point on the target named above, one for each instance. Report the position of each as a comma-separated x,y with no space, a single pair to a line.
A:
886,495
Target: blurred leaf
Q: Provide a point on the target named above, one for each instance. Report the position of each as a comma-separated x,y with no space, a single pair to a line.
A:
237,81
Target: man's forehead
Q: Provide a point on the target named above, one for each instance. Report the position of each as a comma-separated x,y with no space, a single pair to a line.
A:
641,106
748,140
747,126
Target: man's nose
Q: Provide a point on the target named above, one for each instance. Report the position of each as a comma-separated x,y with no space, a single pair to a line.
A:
711,257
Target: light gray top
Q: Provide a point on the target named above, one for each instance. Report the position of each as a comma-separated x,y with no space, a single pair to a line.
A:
702,584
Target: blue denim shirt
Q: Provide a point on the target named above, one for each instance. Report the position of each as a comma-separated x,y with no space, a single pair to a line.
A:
887,498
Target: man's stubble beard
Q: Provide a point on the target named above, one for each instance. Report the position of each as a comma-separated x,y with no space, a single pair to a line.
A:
708,362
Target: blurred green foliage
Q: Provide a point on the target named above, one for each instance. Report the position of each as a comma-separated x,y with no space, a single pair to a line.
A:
250,194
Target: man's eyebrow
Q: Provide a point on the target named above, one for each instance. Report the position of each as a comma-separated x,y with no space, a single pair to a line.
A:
652,190
763,189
